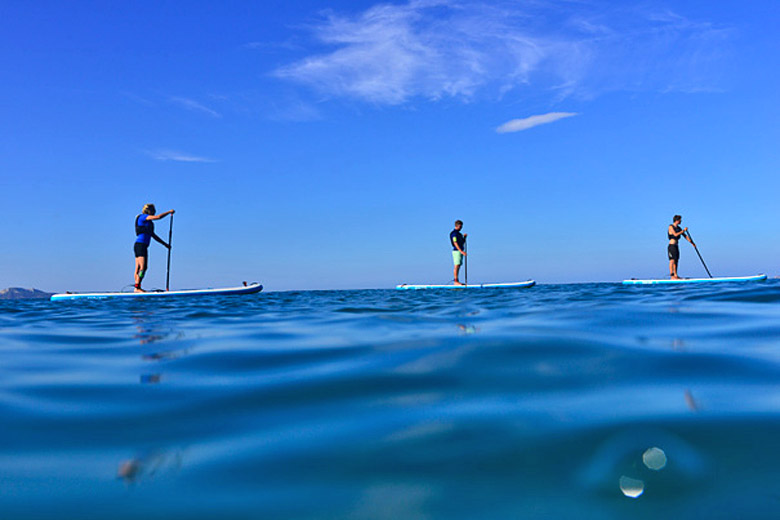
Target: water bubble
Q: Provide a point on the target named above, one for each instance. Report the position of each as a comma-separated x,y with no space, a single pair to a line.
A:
631,487
654,458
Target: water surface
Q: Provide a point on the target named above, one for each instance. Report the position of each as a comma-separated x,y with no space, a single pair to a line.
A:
588,401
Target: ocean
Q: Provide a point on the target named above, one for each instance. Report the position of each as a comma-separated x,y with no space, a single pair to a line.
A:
586,401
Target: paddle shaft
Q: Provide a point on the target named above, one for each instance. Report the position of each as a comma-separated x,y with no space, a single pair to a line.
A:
168,273
697,252
465,261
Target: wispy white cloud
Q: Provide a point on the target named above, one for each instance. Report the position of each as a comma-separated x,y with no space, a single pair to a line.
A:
269,46
257,45
516,125
435,49
292,110
191,104
138,99
173,155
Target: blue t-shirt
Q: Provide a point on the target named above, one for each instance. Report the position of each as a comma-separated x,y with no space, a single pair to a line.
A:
148,226
456,235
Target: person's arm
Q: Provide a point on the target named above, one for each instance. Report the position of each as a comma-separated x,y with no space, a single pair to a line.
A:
161,215
160,240
688,238
455,243
677,234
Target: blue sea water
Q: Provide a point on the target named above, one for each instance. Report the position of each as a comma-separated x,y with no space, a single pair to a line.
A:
587,401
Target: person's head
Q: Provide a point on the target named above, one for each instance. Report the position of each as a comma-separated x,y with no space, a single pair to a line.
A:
677,219
149,209
458,224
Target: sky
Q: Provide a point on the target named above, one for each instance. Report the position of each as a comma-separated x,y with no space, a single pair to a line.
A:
331,145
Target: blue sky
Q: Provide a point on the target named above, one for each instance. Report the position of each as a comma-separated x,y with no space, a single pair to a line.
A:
314,145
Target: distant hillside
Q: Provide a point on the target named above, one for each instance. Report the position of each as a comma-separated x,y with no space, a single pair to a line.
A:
17,293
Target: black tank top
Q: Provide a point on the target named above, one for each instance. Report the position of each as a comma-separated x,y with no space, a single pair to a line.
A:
677,229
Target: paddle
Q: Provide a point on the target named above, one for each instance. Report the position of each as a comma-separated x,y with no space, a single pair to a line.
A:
168,273
465,261
697,252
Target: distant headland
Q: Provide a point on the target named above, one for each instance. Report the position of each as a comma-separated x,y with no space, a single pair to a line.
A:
18,293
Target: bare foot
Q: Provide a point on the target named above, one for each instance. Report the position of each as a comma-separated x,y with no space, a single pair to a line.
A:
139,290
456,282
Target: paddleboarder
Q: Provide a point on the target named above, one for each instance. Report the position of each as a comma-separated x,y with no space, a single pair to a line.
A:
144,230
458,243
674,233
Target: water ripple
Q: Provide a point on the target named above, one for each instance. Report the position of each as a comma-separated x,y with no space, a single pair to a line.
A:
588,401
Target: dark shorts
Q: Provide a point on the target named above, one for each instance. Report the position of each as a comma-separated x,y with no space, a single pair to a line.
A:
674,252
141,250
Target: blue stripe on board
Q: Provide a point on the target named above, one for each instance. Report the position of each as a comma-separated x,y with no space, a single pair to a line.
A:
756,278
249,289
511,285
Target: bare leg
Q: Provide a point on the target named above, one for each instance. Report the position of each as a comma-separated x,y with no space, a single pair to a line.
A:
673,269
140,270
455,275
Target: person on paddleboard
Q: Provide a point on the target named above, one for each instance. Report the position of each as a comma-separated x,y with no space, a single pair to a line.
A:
674,233
458,243
144,231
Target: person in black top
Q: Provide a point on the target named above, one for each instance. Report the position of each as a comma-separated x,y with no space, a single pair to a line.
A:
458,243
674,233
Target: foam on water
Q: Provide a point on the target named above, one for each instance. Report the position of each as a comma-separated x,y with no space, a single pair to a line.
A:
560,401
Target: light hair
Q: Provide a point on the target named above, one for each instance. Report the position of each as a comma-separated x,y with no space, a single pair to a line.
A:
149,209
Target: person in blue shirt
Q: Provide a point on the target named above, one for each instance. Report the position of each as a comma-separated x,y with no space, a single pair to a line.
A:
144,230
458,243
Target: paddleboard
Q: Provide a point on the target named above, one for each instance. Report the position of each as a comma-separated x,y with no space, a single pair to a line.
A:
756,278
511,285
247,289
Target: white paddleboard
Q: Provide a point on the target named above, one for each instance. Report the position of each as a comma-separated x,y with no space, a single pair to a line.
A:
510,285
248,289
756,278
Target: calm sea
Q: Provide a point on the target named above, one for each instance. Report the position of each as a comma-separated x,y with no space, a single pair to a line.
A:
592,401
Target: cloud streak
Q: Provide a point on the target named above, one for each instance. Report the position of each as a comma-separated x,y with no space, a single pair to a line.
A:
173,155
517,125
191,104
391,54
